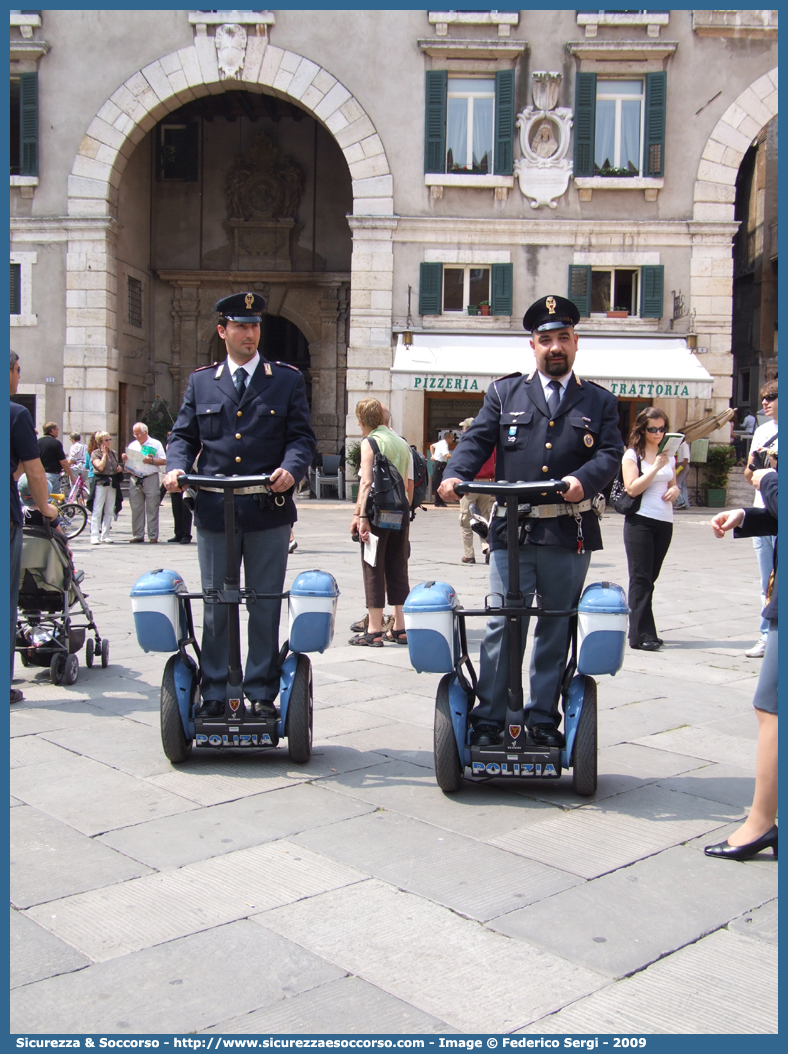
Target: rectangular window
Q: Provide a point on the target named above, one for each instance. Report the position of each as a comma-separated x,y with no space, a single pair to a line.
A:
614,290
135,301
598,290
619,125
16,289
618,145
15,128
464,287
469,123
177,153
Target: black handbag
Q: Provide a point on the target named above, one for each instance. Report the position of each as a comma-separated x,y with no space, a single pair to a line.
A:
620,500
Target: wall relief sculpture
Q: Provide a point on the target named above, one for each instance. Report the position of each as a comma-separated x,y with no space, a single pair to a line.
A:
230,50
544,170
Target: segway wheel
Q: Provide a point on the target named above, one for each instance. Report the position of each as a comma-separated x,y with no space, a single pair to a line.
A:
585,747
75,517
57,668
105,653
90,651
299,713
448,769
173,738
71,671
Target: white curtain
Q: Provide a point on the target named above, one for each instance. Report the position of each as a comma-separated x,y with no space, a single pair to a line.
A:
630,134
457,133
605,146
482,135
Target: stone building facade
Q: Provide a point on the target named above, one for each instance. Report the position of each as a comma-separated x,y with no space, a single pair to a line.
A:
376,174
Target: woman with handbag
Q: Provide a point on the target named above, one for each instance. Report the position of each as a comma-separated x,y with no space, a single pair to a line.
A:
650,478
105,468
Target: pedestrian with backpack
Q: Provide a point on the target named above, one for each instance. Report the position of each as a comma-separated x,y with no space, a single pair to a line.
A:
381,521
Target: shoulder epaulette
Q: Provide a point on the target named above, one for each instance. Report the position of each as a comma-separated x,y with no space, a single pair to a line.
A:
288,364
596,385
508,375
210,366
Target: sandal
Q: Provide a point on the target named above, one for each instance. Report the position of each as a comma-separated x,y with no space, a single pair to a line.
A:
367,640
395,636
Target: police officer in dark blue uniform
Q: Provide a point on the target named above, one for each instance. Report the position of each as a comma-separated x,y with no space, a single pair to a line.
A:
549,425
244,416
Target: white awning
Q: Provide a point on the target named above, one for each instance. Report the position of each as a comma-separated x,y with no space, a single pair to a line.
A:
646,367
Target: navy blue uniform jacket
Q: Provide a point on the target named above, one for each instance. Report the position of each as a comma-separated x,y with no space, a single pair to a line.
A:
269,427
582,440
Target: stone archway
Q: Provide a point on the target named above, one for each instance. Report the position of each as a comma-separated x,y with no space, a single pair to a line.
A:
713,228
90,356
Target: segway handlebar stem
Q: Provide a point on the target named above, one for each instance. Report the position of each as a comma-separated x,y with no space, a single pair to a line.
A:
538,492
225,482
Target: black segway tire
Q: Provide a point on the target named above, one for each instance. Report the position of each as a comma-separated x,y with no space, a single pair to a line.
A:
173,738
448,768
584,773
299,713
75,517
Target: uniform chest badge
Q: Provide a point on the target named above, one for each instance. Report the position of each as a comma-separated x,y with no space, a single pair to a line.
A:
588,439
512,433
268,371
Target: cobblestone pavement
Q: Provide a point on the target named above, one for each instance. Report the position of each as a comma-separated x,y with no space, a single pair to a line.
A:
244,894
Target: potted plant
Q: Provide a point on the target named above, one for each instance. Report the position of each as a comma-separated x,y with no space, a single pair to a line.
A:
484,307
719,462
618,314
473,309
353,461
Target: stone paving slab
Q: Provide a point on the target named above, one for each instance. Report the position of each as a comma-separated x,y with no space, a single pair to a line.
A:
480,810
34,750
404,706
50,860
115,799
724,783
178,840
346,693
760,925
623,921
396,740
705,743
339,720
118,742
615,832
406,943
696,991
182,986
34,717
15,801
36,954
437,864
347,1006
111,922
636,721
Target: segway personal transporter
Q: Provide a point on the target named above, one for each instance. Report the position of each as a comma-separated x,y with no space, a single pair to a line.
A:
163,619
437,642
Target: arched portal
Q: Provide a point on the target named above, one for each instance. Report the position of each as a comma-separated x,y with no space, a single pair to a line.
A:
96,302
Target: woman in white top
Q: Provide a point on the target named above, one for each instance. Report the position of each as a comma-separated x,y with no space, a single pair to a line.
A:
647,532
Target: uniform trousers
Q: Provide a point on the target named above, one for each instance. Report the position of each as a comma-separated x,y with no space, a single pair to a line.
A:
764,551
484,502
264,556
647,542
181,517
144,499
557,574
16,571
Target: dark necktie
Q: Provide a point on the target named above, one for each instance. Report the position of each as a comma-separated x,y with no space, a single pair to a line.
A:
240,377
555,397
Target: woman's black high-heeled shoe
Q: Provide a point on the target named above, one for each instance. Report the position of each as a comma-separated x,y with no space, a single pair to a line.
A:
744,852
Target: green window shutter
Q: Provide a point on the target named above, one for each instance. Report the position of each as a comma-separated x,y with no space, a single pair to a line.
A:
28,124
501,299
504,123
435,121
16,289
580,287
430,289
585,123
654,131
652,284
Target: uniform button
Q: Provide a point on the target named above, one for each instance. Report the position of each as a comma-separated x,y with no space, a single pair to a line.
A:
238,459
237,435
548,446
273,411
239,414
544,467
552,424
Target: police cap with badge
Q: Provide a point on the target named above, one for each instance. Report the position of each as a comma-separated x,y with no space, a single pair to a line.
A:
551,312
241,307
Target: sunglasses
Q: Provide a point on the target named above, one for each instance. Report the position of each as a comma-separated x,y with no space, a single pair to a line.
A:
655,430
768,398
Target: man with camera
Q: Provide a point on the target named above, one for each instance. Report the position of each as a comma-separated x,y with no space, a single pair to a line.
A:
763,454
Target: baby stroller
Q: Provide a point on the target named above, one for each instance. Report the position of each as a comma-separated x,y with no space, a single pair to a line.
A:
53,614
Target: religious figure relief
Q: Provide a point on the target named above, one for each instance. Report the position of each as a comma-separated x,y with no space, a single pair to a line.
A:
261,184
544,170
230,50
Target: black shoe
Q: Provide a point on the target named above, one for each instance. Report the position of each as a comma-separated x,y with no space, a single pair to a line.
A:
210,708
170,541
485,735
547,736
487,557
744,852
647,645
262,708
186,541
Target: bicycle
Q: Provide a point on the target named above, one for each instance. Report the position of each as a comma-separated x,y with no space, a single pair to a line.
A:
74,516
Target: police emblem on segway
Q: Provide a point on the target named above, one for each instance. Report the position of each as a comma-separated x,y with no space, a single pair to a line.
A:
515,730
235,705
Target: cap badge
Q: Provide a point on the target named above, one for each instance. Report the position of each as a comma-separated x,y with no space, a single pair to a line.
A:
550,305
249,301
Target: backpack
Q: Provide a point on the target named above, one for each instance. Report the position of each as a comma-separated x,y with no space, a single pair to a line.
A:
387,504
420,480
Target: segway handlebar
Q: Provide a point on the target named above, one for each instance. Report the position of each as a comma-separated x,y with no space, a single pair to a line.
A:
225,482
538,492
